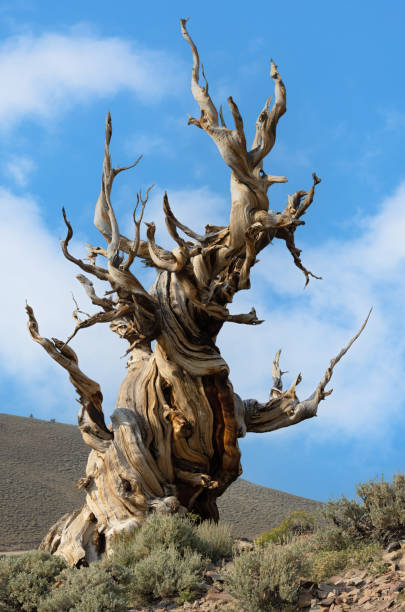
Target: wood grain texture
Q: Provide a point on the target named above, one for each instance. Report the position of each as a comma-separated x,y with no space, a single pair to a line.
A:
172,445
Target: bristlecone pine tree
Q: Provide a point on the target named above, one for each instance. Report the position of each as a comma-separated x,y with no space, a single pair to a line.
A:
172,445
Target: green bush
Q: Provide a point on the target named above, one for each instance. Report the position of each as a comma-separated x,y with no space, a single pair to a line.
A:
165,530
159,530
379,515
326,563
215,540
26,579
268,578
102,587
168,554
166,572
297,523
329,538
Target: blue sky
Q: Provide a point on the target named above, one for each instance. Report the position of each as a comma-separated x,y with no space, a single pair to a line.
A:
64,65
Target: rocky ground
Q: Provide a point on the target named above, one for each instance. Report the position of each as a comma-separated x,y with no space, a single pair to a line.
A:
350,591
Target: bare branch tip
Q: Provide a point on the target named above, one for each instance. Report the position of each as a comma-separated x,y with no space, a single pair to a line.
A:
183,25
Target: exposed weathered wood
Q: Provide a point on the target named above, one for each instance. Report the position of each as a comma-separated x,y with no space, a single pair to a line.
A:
172,443
284,408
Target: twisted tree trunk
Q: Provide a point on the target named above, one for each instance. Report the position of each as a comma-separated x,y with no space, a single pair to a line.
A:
172,444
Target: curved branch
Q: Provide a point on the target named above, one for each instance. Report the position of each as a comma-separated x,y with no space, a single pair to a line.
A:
165,260
296,208
88,390
88,286
104,317
172,224
104,217
230,143
284,408
250,256
101,273
137,222
249,318
295,252
200,94
259,123
267,121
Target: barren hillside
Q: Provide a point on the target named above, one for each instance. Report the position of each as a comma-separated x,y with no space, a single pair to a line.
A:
41,462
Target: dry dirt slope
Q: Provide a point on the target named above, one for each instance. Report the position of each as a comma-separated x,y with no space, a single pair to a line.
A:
40,462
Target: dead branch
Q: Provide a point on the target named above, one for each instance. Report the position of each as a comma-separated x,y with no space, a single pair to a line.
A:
284,408
88,286
267,121
101,273
88,390
137,222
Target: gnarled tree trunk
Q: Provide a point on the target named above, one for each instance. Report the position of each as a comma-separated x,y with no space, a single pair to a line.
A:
172,445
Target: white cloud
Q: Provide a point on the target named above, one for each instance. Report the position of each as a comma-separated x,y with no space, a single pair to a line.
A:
19,168
149,144
313,325
43,75
35,270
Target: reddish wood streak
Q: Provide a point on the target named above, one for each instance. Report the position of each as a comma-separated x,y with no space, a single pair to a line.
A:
226,464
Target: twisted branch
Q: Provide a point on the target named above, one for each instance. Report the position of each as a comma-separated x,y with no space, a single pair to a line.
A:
284,408
88,390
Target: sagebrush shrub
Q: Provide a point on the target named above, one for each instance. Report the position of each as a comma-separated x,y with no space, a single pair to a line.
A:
102,587
215,540
166,572
297,523
379,515
165,530
26,579
326,563
159,530
268,577
329,537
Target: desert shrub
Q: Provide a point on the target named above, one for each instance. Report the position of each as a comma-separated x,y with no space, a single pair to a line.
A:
328,538
326,563
215,540
166,572
268,577
166,530
26,579
159,530
297,523
102,587
350,517
379,515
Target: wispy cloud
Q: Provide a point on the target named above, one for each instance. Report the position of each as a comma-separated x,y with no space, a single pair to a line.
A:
42,75
145,144
394,119
313,325
19,168
35,270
